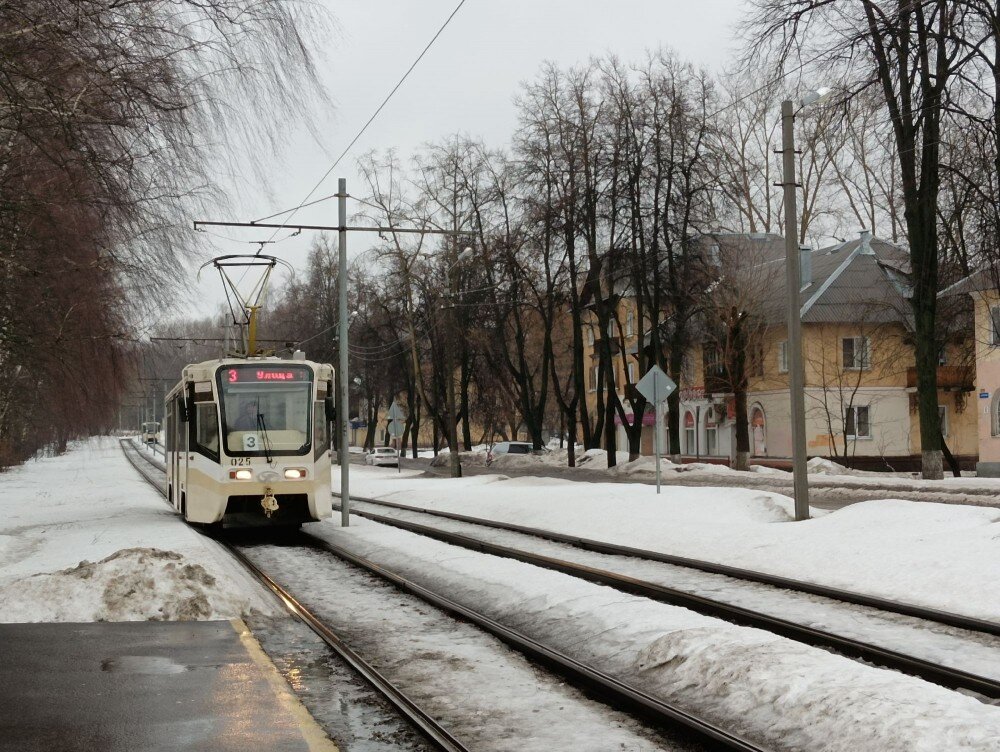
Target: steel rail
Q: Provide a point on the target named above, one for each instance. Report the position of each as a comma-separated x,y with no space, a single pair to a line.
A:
623,694
943,675
412,712
409,709
969,623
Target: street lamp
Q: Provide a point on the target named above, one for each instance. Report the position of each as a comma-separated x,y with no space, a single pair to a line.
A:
793,285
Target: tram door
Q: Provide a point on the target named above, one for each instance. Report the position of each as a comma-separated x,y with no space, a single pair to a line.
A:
179,457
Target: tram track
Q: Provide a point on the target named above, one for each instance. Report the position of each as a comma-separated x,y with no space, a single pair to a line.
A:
948,676
959,621
406,707
609,689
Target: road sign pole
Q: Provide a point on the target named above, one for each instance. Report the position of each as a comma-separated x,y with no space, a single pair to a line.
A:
656,386
656,435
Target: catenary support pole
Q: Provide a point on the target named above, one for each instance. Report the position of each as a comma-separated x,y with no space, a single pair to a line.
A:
793,284
343,453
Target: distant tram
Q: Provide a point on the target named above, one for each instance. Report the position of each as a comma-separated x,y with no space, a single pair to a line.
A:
150,430
247,442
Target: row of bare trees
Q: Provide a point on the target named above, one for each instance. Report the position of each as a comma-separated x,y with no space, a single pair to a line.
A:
106,113
616,180
614,184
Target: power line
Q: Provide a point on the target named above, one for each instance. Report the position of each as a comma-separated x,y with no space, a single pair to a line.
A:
291,212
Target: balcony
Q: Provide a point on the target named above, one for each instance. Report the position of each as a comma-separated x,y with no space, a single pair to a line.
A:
717,383
949,378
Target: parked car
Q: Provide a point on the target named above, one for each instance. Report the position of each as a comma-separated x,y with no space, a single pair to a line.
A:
382,456
507,447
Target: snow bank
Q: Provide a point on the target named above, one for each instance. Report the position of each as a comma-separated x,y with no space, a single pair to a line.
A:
783,693
133,584
83,537
942,555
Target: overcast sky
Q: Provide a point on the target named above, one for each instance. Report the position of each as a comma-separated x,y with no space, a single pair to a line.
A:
465,83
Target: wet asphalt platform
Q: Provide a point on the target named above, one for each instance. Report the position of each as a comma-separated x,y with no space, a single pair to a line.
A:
146,686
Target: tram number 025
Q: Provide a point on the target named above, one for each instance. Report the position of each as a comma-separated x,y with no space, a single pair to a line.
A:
239,461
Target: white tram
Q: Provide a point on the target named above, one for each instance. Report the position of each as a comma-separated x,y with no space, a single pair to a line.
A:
150,430
247,441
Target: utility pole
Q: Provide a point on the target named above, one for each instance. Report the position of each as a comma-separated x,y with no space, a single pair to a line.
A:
793,284
345,325
454,459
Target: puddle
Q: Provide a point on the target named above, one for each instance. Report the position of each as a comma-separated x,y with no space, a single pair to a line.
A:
142,664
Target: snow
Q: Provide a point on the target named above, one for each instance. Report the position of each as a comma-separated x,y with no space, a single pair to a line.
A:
824,472
444,665
84,538
785,694
972,652
945,556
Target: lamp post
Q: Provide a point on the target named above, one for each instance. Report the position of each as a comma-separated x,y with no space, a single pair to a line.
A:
793,285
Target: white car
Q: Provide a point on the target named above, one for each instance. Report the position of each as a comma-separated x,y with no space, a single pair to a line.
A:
382,456
507,447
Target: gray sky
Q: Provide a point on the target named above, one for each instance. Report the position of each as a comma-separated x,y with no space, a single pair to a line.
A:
465,83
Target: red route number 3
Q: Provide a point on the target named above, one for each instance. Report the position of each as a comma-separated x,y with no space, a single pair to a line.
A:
234,376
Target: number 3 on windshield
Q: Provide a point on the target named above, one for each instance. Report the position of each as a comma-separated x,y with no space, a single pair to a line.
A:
249,442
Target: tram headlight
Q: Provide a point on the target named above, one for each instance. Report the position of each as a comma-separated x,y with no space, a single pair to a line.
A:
294,473
241,474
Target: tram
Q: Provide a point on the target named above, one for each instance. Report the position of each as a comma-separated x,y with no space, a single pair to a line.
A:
150,430
247,441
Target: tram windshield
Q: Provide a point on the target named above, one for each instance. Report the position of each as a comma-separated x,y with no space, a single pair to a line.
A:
266,409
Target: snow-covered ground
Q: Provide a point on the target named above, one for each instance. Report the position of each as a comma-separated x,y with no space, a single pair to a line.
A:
823,472
973,652
768,688
941,555
84,538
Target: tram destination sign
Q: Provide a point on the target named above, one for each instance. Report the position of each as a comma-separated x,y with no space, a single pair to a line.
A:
257,374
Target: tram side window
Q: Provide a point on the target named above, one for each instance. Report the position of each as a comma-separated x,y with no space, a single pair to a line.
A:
171,421
321,438
206,429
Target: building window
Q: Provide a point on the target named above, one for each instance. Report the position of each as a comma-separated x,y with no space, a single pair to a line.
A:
995,328
857,422
857,353
713,361
590,336
689,429
629,322
783,357
711,441
943,417
595,376
631,373
995,415
943,356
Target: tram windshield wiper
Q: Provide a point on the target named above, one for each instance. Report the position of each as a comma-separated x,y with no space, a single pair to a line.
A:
265,439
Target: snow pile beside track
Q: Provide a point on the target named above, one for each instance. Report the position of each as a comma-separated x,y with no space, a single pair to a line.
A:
90,505
784,694
134,584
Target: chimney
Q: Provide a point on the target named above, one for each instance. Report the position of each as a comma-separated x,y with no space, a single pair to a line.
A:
805,266
866,243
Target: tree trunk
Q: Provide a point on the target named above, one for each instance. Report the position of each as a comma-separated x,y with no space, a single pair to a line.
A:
742,432
952,463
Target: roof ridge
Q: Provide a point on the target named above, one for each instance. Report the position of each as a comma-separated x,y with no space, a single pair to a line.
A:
829,281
